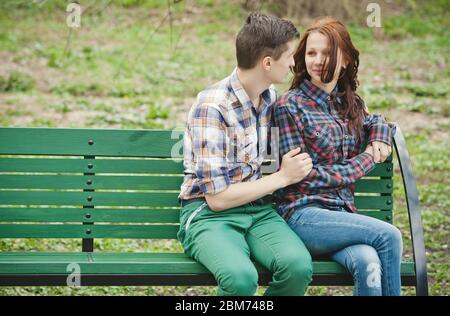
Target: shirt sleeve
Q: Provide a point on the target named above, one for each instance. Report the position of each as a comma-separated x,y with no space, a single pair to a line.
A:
377,129
209,146
322,177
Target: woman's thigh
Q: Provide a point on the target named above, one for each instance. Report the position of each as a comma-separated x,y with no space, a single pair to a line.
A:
324,231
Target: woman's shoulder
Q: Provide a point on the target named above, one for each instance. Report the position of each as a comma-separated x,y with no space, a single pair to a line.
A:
291,100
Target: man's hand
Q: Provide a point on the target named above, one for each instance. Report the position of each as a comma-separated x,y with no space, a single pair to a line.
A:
379,151
295,166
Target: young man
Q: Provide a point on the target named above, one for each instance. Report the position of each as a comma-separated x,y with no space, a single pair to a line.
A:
225,220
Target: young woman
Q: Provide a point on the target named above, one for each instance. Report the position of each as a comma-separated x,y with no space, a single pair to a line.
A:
322,114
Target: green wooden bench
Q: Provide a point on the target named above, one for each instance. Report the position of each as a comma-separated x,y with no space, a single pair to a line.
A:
92,183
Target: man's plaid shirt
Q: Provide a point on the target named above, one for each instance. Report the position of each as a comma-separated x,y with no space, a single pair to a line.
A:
222,136
307,118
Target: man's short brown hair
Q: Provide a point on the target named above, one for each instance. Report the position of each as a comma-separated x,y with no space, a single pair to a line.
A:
261,36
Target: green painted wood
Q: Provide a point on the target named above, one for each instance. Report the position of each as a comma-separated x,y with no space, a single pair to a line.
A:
374,202
105,142
385,216
80,165
384,169
88,231
132,263
72,215
89,215
82,198
63,182
112,231
374,186
136,199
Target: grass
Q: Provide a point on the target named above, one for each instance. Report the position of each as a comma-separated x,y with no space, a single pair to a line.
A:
121,70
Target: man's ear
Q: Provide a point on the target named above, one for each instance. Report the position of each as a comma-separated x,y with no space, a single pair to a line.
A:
267,62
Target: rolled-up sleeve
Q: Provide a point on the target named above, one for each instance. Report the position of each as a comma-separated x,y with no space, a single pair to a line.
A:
209,147
377,129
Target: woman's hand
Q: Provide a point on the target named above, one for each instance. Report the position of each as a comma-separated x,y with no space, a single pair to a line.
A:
380,151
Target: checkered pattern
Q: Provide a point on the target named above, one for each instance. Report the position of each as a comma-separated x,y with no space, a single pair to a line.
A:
224,138
307,118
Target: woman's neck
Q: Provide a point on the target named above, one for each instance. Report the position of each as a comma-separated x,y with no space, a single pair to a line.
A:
327,87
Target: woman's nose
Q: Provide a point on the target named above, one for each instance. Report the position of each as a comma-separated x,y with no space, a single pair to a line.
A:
318,60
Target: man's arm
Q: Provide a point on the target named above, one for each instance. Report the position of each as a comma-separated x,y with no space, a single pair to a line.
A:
209,146
293,168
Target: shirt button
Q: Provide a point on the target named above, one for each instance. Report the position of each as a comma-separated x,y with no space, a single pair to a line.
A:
328,98
317,134
346,136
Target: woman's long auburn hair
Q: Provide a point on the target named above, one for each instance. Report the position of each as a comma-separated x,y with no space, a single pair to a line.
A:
352,107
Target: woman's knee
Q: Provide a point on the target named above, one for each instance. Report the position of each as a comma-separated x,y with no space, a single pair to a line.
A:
394,236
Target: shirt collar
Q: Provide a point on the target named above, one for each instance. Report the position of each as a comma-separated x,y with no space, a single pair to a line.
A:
242,95
318,95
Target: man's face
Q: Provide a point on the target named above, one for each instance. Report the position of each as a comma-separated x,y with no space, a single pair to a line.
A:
280,68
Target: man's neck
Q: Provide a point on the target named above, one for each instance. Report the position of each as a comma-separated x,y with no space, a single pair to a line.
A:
254,84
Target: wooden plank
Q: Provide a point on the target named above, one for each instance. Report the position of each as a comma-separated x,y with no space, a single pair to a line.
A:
62,215
133,263
79,165
124,182
88,231
63,182
88,198
385,216
92,215
89,142
374,186
374,202
384,169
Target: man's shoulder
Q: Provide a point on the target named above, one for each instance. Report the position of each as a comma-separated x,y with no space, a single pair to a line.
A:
217,93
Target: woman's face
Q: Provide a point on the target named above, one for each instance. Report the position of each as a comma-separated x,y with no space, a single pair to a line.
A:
317,56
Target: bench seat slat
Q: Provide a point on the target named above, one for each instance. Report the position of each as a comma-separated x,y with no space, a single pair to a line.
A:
131,263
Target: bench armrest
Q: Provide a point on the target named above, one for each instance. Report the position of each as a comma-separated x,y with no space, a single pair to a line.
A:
414,213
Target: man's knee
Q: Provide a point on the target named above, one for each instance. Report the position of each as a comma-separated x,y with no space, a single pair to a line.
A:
238,281
298,266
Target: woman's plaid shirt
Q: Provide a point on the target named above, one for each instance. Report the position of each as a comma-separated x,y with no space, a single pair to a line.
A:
224,138
307,119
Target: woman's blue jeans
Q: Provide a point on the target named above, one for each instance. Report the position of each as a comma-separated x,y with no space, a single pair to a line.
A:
368,248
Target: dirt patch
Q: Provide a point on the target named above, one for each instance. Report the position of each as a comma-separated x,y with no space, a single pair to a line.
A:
413,122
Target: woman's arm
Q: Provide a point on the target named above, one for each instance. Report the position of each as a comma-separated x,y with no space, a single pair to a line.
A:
321,177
